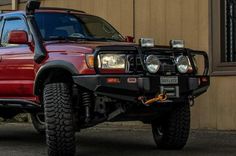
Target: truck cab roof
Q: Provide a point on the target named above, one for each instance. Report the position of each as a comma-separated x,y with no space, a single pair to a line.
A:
43,9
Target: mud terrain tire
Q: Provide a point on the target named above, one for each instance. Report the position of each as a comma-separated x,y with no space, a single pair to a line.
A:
173,133
60,131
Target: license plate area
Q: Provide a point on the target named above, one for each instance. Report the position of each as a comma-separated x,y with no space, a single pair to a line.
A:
169,80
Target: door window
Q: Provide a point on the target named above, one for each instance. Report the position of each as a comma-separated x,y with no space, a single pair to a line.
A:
16,24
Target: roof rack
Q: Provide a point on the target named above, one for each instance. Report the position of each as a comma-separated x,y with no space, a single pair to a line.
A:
61,9
47,8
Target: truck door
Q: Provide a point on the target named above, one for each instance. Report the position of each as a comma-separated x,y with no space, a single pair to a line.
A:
16,62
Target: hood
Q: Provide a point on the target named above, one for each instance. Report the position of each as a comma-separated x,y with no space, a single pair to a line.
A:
79,47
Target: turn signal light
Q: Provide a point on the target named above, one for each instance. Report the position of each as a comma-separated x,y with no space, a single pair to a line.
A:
90,60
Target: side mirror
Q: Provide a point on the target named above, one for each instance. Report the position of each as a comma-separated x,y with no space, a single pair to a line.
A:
129,39
18,37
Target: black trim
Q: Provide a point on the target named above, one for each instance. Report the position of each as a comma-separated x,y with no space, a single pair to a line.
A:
52,65
20,104
58,64
144,86
40,53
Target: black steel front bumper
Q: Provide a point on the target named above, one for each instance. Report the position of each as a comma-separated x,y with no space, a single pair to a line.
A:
130,87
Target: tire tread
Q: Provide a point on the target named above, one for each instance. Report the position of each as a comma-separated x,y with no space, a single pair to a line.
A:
176,129
59,120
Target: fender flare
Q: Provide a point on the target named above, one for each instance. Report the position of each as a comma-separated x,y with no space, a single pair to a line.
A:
59,64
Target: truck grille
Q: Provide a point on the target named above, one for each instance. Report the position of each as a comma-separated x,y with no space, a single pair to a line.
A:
134,64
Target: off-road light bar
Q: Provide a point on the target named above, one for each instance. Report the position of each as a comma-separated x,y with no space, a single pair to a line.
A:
177,44
147,42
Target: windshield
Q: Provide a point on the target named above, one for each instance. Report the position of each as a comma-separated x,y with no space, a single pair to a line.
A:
62,26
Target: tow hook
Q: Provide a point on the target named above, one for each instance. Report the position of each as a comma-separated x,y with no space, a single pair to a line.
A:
158,98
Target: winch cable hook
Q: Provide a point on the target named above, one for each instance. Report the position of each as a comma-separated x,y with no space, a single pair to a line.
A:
159,98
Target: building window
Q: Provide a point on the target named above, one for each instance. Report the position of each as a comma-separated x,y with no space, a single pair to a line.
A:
229,24
223,39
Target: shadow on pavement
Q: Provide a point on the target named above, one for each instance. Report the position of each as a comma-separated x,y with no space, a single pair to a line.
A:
23,140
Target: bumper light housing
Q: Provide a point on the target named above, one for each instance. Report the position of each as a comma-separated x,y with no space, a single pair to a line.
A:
153,64
183,64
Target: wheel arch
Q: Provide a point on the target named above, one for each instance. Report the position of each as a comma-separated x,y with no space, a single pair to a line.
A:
59,71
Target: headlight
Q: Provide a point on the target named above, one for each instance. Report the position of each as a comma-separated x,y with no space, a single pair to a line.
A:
153,64
112,61
183,64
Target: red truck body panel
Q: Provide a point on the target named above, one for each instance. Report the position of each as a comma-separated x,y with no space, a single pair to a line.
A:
18,69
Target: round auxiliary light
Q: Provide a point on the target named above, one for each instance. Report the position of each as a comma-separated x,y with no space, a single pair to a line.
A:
183,64
153,64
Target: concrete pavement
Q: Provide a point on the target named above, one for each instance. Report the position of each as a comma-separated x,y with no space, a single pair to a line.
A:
22,140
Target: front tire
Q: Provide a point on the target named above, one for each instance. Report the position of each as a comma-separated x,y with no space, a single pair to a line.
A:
173,132
59,120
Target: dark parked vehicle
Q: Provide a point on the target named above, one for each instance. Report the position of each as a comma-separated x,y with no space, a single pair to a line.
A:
72,70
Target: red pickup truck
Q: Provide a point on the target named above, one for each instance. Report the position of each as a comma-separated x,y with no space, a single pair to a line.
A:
72,70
